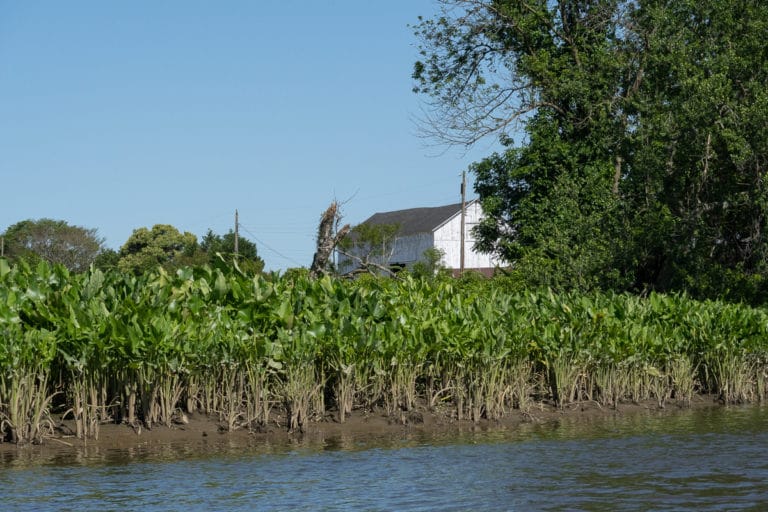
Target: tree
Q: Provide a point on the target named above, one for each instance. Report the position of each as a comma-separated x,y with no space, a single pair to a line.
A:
371,246
430,265
221,248
645,135
488,65
328,237
700,148
163,245
558,69
107,260
54,241
550,210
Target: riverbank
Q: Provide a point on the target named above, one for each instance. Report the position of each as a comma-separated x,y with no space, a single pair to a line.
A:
200,430
107,346
698,458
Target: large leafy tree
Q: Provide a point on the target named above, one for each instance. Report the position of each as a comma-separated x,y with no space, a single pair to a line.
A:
644,135
54,241
700,146
163,245
550,209
560,69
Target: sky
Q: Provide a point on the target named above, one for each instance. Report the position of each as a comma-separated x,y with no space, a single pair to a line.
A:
121,115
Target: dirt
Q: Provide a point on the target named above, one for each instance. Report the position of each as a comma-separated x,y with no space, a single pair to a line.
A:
199,429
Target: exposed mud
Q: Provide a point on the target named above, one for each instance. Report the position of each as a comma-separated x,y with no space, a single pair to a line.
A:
202,430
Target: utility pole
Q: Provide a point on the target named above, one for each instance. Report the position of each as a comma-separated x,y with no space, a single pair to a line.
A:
463,220
237,236
2,246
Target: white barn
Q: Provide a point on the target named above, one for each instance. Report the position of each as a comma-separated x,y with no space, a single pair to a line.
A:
424,228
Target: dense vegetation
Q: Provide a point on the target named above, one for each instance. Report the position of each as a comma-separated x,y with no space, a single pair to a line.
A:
77,248
636,136
100,347
54,241
640,169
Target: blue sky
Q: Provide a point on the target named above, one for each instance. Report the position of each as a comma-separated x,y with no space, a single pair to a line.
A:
119,115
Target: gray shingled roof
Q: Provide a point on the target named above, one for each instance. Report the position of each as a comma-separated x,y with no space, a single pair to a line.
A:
416,220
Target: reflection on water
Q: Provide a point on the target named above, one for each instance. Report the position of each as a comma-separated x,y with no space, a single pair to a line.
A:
712,459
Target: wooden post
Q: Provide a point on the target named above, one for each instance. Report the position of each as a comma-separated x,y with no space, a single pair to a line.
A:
236,234
463,220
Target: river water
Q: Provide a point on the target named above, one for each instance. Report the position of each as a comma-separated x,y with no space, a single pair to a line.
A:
706,459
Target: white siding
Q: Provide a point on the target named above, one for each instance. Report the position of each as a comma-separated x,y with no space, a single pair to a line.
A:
345,264
409,249
448,238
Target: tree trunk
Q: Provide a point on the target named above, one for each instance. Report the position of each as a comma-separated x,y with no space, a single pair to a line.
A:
327,240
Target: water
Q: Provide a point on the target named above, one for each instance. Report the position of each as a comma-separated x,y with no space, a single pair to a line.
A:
713,459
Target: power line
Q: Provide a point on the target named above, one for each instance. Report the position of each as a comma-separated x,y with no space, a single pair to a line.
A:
268,247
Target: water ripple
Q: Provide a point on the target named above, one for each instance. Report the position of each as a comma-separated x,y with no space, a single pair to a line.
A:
710,460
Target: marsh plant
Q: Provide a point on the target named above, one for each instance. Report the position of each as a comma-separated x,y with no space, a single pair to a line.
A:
251,350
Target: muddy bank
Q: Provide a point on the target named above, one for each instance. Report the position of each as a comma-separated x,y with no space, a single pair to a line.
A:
202,430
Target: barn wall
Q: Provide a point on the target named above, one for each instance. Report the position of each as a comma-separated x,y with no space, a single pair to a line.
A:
345,264
407,250
448,238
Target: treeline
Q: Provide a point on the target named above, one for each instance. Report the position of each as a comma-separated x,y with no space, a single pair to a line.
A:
115,347
78,248
635,138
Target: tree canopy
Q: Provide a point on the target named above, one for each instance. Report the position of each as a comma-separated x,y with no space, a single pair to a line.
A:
163,245
54,241
166,246
636,137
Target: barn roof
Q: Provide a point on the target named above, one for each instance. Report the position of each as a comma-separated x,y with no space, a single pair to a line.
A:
416,220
